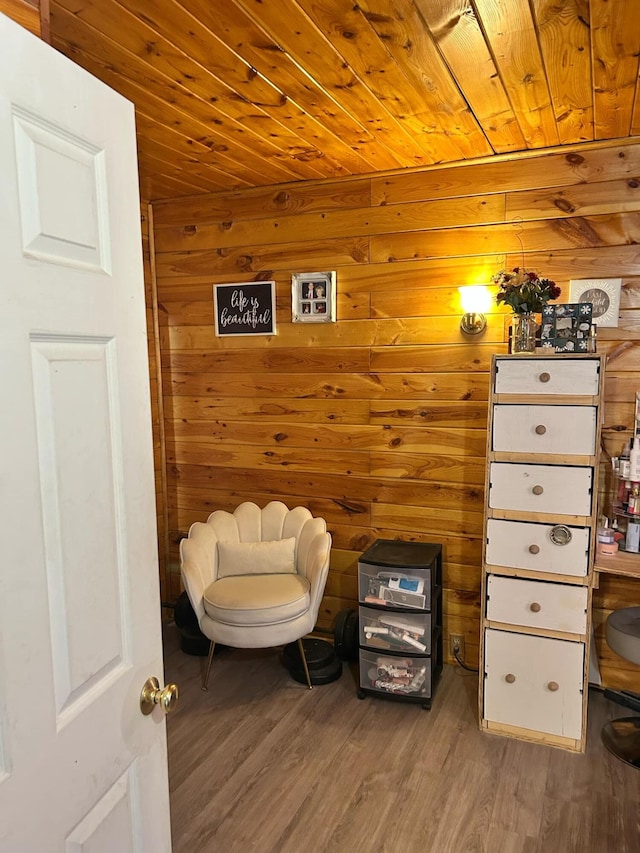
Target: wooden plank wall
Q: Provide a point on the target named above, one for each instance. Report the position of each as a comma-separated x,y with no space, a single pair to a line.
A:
31,14
157,403
378,422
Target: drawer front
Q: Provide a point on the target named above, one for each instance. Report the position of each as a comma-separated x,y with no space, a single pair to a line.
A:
394,587
526,545
395,632
545,429
534,682
575,377
537,604
558,489
395,675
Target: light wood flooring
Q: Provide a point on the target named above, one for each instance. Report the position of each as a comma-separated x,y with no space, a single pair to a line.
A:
260,763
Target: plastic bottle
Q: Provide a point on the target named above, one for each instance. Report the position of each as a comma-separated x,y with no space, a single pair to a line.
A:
618,535
606,543
634,460
633,537
625,462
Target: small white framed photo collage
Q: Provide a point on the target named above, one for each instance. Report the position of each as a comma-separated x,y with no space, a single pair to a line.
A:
313,297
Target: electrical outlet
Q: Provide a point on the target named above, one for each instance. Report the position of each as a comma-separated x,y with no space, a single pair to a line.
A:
456,643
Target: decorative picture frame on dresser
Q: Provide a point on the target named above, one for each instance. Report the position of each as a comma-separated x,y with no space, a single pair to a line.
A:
313,297
566,328
543,445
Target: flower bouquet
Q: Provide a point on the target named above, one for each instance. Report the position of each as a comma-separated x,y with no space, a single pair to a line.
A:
526,294
524,291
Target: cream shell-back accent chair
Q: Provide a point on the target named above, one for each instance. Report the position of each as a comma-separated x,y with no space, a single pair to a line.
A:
255,577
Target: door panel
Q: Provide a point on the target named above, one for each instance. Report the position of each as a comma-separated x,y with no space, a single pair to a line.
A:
521,671
110,817
80,767
62,194
78,435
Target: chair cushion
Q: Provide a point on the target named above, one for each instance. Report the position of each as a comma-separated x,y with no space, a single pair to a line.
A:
257,599
256,558
623,633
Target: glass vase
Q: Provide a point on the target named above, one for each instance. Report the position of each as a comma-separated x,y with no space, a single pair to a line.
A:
523,333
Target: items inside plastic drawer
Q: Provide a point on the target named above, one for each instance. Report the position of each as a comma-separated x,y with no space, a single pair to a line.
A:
409,676
393,588
395,632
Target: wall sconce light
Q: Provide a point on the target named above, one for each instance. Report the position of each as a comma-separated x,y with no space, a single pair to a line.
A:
475,300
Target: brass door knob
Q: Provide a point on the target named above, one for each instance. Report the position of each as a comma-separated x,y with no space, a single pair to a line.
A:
544,377
535,607
553,686
151,696
534,549
541,429
537,490
509,678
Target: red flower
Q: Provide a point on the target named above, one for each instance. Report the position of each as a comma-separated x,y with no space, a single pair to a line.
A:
524,291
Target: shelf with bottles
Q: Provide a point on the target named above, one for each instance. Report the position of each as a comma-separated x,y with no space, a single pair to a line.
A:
625,502
621,530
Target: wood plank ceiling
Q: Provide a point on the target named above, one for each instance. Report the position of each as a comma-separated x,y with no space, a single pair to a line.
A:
231,94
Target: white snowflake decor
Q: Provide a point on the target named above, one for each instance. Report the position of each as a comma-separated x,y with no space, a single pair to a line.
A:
566,328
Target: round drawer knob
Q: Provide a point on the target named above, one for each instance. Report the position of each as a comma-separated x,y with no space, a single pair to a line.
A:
541,429
553,686
560,534
509,678
535,607
544,377
537,490
534,549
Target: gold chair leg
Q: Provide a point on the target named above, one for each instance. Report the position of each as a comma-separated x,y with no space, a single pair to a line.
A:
304,663
205,679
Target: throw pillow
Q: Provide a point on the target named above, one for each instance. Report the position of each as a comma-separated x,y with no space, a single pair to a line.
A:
277,556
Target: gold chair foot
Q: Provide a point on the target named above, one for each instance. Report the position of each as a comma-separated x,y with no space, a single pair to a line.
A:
304,663
205,679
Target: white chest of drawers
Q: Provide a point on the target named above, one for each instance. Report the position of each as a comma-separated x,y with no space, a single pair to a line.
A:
540,526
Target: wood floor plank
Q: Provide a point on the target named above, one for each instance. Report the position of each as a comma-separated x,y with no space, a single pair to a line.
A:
260,763
613,822
564,827
520,788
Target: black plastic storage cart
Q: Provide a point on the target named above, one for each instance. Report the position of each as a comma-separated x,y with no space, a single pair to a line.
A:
400,620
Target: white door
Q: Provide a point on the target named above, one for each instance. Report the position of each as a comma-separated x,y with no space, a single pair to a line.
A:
81,769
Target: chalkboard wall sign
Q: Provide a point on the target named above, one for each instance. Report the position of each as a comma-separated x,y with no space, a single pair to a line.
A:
247,308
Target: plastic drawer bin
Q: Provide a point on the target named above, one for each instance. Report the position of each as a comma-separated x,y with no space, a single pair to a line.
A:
396,675
394,587
395,631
